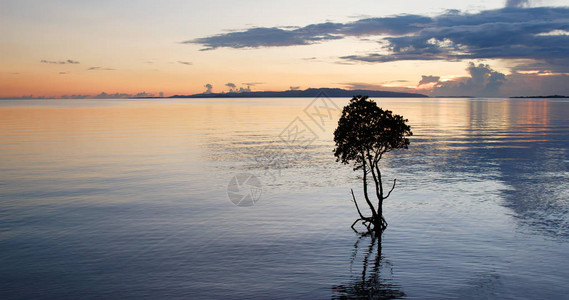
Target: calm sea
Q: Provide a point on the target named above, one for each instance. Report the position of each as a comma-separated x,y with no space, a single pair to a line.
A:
242,198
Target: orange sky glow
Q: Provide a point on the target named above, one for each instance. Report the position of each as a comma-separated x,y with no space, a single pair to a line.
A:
65,48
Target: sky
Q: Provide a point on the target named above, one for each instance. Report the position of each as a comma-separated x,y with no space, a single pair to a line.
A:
64,48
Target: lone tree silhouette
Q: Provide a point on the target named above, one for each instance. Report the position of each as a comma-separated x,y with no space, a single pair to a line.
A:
364,134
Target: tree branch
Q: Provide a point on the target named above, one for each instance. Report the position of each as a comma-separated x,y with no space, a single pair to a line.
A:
394,181
357,207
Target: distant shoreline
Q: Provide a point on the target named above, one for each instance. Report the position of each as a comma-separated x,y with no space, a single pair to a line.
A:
308,93
550,96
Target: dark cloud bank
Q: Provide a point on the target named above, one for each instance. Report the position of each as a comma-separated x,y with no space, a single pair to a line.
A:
512,32
532,39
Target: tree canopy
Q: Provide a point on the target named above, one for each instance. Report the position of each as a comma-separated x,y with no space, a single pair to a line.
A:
364,134
365,129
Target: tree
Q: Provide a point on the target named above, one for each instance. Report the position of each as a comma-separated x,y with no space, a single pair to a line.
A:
364,134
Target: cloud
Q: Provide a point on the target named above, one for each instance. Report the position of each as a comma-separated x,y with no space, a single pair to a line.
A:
311,34
509,33
393,26
518,84
378,87
362,86
396,81
482,76
483,81
60,62
516,32
253,83
100,69
185,63
231,87
243,90
428,79
294,88
267,37
517,3
209,87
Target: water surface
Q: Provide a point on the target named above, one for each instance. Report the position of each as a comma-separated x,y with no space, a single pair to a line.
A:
129,199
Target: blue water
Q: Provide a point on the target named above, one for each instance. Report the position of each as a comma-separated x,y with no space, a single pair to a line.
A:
129,199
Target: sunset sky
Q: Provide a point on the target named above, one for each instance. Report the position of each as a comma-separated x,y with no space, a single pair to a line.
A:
477,48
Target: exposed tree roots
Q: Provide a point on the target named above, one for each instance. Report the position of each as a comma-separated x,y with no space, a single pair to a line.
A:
370,225
373,224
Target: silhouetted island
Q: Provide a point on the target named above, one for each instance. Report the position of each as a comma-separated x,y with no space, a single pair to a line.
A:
308,93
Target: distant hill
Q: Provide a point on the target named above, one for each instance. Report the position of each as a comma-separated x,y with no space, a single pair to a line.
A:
308,93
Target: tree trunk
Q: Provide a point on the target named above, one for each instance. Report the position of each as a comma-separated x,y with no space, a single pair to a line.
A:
375,224
373,212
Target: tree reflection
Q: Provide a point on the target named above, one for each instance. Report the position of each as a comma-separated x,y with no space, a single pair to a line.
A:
372,282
